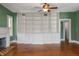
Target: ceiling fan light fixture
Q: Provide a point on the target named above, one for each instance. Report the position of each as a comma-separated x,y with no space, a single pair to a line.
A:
45,7
45,10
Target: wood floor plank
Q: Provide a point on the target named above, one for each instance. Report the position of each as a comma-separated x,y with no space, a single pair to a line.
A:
46,50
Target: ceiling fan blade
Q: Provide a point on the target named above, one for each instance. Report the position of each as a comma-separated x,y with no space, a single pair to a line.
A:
53,7
48,10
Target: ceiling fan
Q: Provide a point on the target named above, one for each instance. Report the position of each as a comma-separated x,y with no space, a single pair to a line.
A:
46,7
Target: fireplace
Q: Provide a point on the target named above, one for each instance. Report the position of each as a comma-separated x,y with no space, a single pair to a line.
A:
3,43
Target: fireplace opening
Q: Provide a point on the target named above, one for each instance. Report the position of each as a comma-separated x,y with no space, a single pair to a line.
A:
3,43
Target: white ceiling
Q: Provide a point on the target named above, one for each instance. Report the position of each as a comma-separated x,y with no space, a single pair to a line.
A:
35,7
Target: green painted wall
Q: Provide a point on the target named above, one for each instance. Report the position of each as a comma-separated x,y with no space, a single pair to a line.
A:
61,30
72,16
3,19
14,26
77,25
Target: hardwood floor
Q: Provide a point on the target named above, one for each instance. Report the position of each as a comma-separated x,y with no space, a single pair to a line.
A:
63,49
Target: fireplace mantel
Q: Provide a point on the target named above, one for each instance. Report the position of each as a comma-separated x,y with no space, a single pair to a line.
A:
4,32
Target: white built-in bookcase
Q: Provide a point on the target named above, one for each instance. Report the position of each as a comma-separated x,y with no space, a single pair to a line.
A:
36,28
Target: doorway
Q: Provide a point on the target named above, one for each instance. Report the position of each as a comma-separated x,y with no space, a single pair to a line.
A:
65,30
10,26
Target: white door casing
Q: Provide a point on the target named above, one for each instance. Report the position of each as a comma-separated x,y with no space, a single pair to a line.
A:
69,20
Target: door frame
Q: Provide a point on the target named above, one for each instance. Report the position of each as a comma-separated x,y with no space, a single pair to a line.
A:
64,30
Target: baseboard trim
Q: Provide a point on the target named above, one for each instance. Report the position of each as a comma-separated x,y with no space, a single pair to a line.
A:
13,41
23,42
38,43
62,40
74,41
71,41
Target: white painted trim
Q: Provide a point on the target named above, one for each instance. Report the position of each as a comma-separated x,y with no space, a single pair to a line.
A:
69,30
10,26
13,41
23,43
73,41
62,39
38,43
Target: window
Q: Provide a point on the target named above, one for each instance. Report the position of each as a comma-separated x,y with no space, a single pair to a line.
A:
10,24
